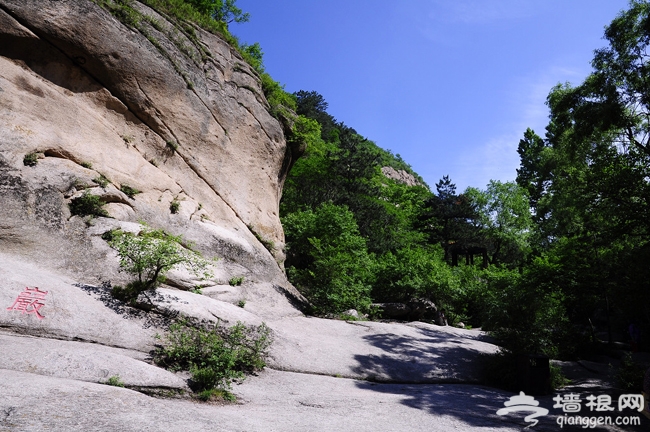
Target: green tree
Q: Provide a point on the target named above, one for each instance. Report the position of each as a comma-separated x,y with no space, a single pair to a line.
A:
152,253
449,218
311,104
505,219
327,258
534,173
588,184
225,11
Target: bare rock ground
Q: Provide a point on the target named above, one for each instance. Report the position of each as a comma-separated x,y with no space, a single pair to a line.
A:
323,374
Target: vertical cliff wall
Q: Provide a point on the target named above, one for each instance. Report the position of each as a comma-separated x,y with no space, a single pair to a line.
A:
168,109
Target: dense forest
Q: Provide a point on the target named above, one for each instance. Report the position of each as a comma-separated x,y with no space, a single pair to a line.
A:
556,262
559,256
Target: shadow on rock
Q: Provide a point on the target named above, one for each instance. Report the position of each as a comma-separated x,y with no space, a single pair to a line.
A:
149,318
434,357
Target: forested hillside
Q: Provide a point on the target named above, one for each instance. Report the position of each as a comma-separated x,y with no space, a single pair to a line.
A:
545,262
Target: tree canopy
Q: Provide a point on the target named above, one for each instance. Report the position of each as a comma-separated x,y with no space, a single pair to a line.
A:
567,243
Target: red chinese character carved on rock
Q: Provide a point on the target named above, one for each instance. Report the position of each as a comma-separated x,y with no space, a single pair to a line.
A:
30,301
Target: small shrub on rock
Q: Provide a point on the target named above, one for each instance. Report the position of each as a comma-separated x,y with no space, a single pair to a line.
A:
115,381
129,191
101,181
215,356
236,280
172,146
87,205
30,159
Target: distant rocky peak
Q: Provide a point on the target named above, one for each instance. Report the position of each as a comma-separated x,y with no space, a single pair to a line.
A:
400,176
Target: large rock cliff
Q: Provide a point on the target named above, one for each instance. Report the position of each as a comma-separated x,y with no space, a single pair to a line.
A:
168,109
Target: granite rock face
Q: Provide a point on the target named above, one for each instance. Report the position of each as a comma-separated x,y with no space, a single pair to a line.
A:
400,176
182,118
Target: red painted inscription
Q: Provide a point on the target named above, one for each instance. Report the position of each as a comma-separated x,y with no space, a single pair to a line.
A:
30,301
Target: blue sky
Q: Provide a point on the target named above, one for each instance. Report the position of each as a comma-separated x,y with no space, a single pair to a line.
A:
450,85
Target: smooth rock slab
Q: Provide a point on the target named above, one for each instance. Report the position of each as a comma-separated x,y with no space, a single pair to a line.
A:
417,352
200,307
84,362
69,310
274,401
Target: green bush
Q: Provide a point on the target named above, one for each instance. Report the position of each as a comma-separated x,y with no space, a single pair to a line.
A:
236,281
558,380
87,205
151,253
279,100
215,356
630,374
115,381
172,146
101,181
30,159
174,206
129,191
327,259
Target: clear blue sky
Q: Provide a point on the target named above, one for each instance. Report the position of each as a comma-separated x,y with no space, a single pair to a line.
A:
450,85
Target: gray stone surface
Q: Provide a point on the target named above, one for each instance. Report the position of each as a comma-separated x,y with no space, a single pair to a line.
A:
71,310
274,401
416,352
83,362
201,308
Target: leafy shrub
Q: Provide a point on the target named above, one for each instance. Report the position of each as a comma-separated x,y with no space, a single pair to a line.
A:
215,356
241,303
129,191
87,205
115,381
30,159
236,280
558,380
101,181
212,394
630,374
151,253
327,259
174,206
86,165
413,272
279,100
